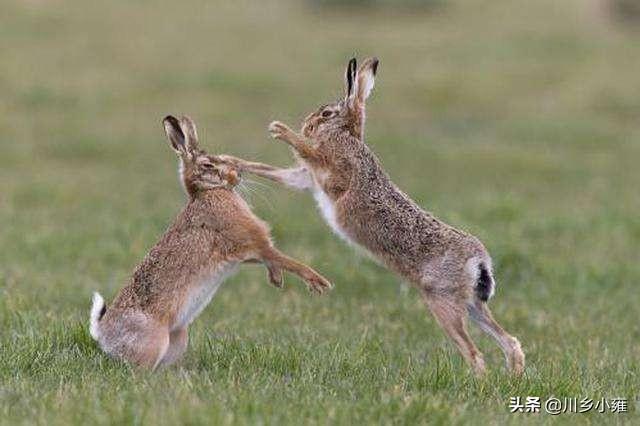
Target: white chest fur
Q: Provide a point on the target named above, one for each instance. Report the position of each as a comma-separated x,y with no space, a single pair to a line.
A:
325,204
201,293
328,210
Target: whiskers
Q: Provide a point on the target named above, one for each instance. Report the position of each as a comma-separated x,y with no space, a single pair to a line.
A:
251,189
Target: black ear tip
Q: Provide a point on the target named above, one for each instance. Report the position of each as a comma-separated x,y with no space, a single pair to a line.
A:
170,119
374,65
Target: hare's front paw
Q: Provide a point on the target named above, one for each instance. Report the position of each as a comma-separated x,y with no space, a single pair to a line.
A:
318,284
279,130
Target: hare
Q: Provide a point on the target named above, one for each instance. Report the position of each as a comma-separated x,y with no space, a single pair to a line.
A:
451,269
147,322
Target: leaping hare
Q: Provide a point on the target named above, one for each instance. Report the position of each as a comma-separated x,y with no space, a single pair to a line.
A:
451,269
147,322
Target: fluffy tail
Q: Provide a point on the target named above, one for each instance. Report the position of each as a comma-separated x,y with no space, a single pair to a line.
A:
485,286
97,311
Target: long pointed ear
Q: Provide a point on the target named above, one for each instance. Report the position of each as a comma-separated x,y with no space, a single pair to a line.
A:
182,135
176,137
365,79
190,132
350,77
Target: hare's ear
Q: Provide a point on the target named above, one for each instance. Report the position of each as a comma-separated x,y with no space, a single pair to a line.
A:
175,135
190,132
350,78
365,79
181,134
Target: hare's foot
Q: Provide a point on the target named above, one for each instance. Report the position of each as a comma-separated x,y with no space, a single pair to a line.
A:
451,314
317,283
514,357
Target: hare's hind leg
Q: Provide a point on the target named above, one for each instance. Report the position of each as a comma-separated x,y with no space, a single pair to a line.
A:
451,314
136,339
178,341
481,315
149,347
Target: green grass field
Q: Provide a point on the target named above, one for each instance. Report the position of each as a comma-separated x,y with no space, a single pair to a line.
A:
515,120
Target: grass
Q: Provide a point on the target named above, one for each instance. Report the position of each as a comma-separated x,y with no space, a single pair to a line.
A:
514,120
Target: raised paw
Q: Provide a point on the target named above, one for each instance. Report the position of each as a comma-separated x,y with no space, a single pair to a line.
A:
317,283
279,130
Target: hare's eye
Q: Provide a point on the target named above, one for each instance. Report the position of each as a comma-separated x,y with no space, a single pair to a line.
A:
208,166
327,113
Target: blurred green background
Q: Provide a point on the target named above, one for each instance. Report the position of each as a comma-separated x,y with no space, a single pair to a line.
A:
514,120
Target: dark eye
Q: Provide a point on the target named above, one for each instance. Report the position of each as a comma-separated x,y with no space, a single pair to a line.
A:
327,113
208,166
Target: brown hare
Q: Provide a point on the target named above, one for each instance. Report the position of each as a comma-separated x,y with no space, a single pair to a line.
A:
147,322
451,269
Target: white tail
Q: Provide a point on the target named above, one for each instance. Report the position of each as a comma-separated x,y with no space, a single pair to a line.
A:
97,310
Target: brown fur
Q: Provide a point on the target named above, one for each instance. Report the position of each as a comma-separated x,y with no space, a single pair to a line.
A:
146,324
368,209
